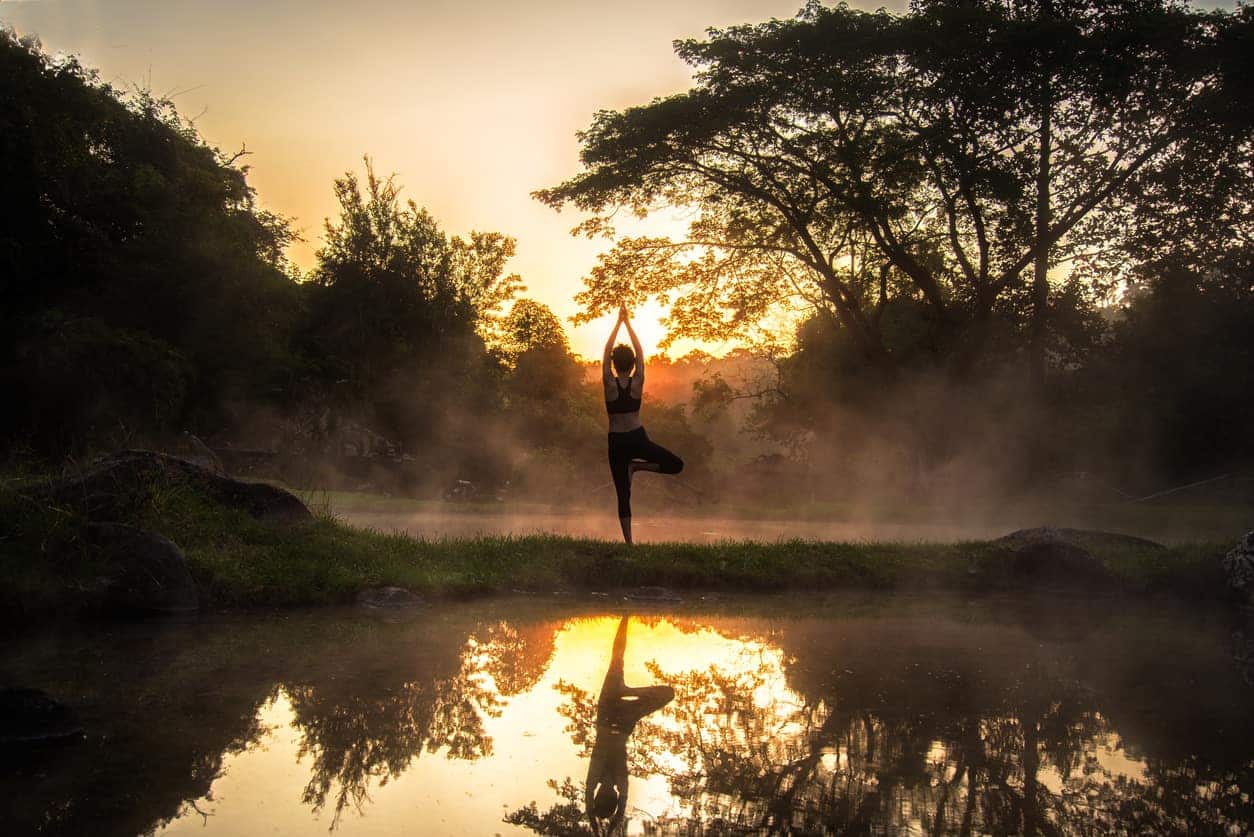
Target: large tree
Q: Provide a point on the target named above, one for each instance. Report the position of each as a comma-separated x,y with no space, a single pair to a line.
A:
396,307
922,178
143,288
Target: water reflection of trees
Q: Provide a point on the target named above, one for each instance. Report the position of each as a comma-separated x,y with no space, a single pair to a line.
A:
355,740
945,725
364,725
862,742
515,654
166,705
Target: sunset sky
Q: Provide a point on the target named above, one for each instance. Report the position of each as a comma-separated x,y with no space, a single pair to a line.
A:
473,105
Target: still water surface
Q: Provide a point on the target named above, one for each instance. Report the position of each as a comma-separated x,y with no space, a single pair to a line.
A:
805,715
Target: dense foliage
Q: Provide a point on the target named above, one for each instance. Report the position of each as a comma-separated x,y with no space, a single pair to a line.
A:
147,295
988,217
904,172
1016,238
142,286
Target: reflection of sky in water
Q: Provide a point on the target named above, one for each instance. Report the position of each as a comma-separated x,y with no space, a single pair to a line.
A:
854,713
259,790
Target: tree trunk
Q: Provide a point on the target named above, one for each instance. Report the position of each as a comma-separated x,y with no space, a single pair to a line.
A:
1040,267
1031,770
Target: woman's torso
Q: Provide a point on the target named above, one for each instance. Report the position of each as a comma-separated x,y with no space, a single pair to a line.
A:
623,422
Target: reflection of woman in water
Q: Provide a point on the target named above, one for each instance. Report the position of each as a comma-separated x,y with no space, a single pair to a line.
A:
618,709
631,450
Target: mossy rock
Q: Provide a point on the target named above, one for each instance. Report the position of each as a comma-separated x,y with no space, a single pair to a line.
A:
148,573
118,486
1049,558
1087,539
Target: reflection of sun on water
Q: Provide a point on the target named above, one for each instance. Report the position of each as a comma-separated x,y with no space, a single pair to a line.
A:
535,732
581,655
259,790
582,652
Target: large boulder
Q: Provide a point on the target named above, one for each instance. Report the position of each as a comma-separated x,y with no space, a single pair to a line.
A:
1051,558
29,716
114,487
1086,539
1238,567
145,572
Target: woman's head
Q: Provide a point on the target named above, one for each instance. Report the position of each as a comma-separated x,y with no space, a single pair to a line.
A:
623,358
605,802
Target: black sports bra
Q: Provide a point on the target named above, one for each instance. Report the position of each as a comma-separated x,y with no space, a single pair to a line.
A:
624,402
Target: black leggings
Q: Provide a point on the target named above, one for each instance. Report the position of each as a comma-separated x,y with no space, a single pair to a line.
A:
635,444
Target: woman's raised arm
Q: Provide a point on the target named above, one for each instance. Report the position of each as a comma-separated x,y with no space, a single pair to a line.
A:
638,375
606,372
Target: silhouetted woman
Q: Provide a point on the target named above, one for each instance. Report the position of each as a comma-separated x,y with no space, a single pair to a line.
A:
619,708
631,450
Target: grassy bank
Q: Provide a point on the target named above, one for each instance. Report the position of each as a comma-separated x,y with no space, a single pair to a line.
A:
329,562
239,561
1172,519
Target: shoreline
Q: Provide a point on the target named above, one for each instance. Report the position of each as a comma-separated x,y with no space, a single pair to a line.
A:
1167,522
328,562
227,544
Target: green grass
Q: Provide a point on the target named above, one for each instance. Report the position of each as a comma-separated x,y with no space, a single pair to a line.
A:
241,562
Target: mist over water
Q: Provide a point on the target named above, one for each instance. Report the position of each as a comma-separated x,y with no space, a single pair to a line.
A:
434,525
1167,523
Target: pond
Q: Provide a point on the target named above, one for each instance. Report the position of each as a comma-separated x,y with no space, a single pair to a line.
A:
865,714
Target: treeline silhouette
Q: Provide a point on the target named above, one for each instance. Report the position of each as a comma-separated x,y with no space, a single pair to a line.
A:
1020,231
146,293
147,296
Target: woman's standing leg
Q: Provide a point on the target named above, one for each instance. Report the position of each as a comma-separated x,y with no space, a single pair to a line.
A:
620,470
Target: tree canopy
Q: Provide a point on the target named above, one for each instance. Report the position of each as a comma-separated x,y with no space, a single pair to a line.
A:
917,177
882,181
124,236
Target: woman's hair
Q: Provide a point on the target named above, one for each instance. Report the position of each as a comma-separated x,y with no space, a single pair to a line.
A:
623,358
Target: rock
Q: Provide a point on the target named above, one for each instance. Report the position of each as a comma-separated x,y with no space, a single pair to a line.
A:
1238,567
1085,539
1057,558
148,573
389,597
116,486
652,594
29,716
264,501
